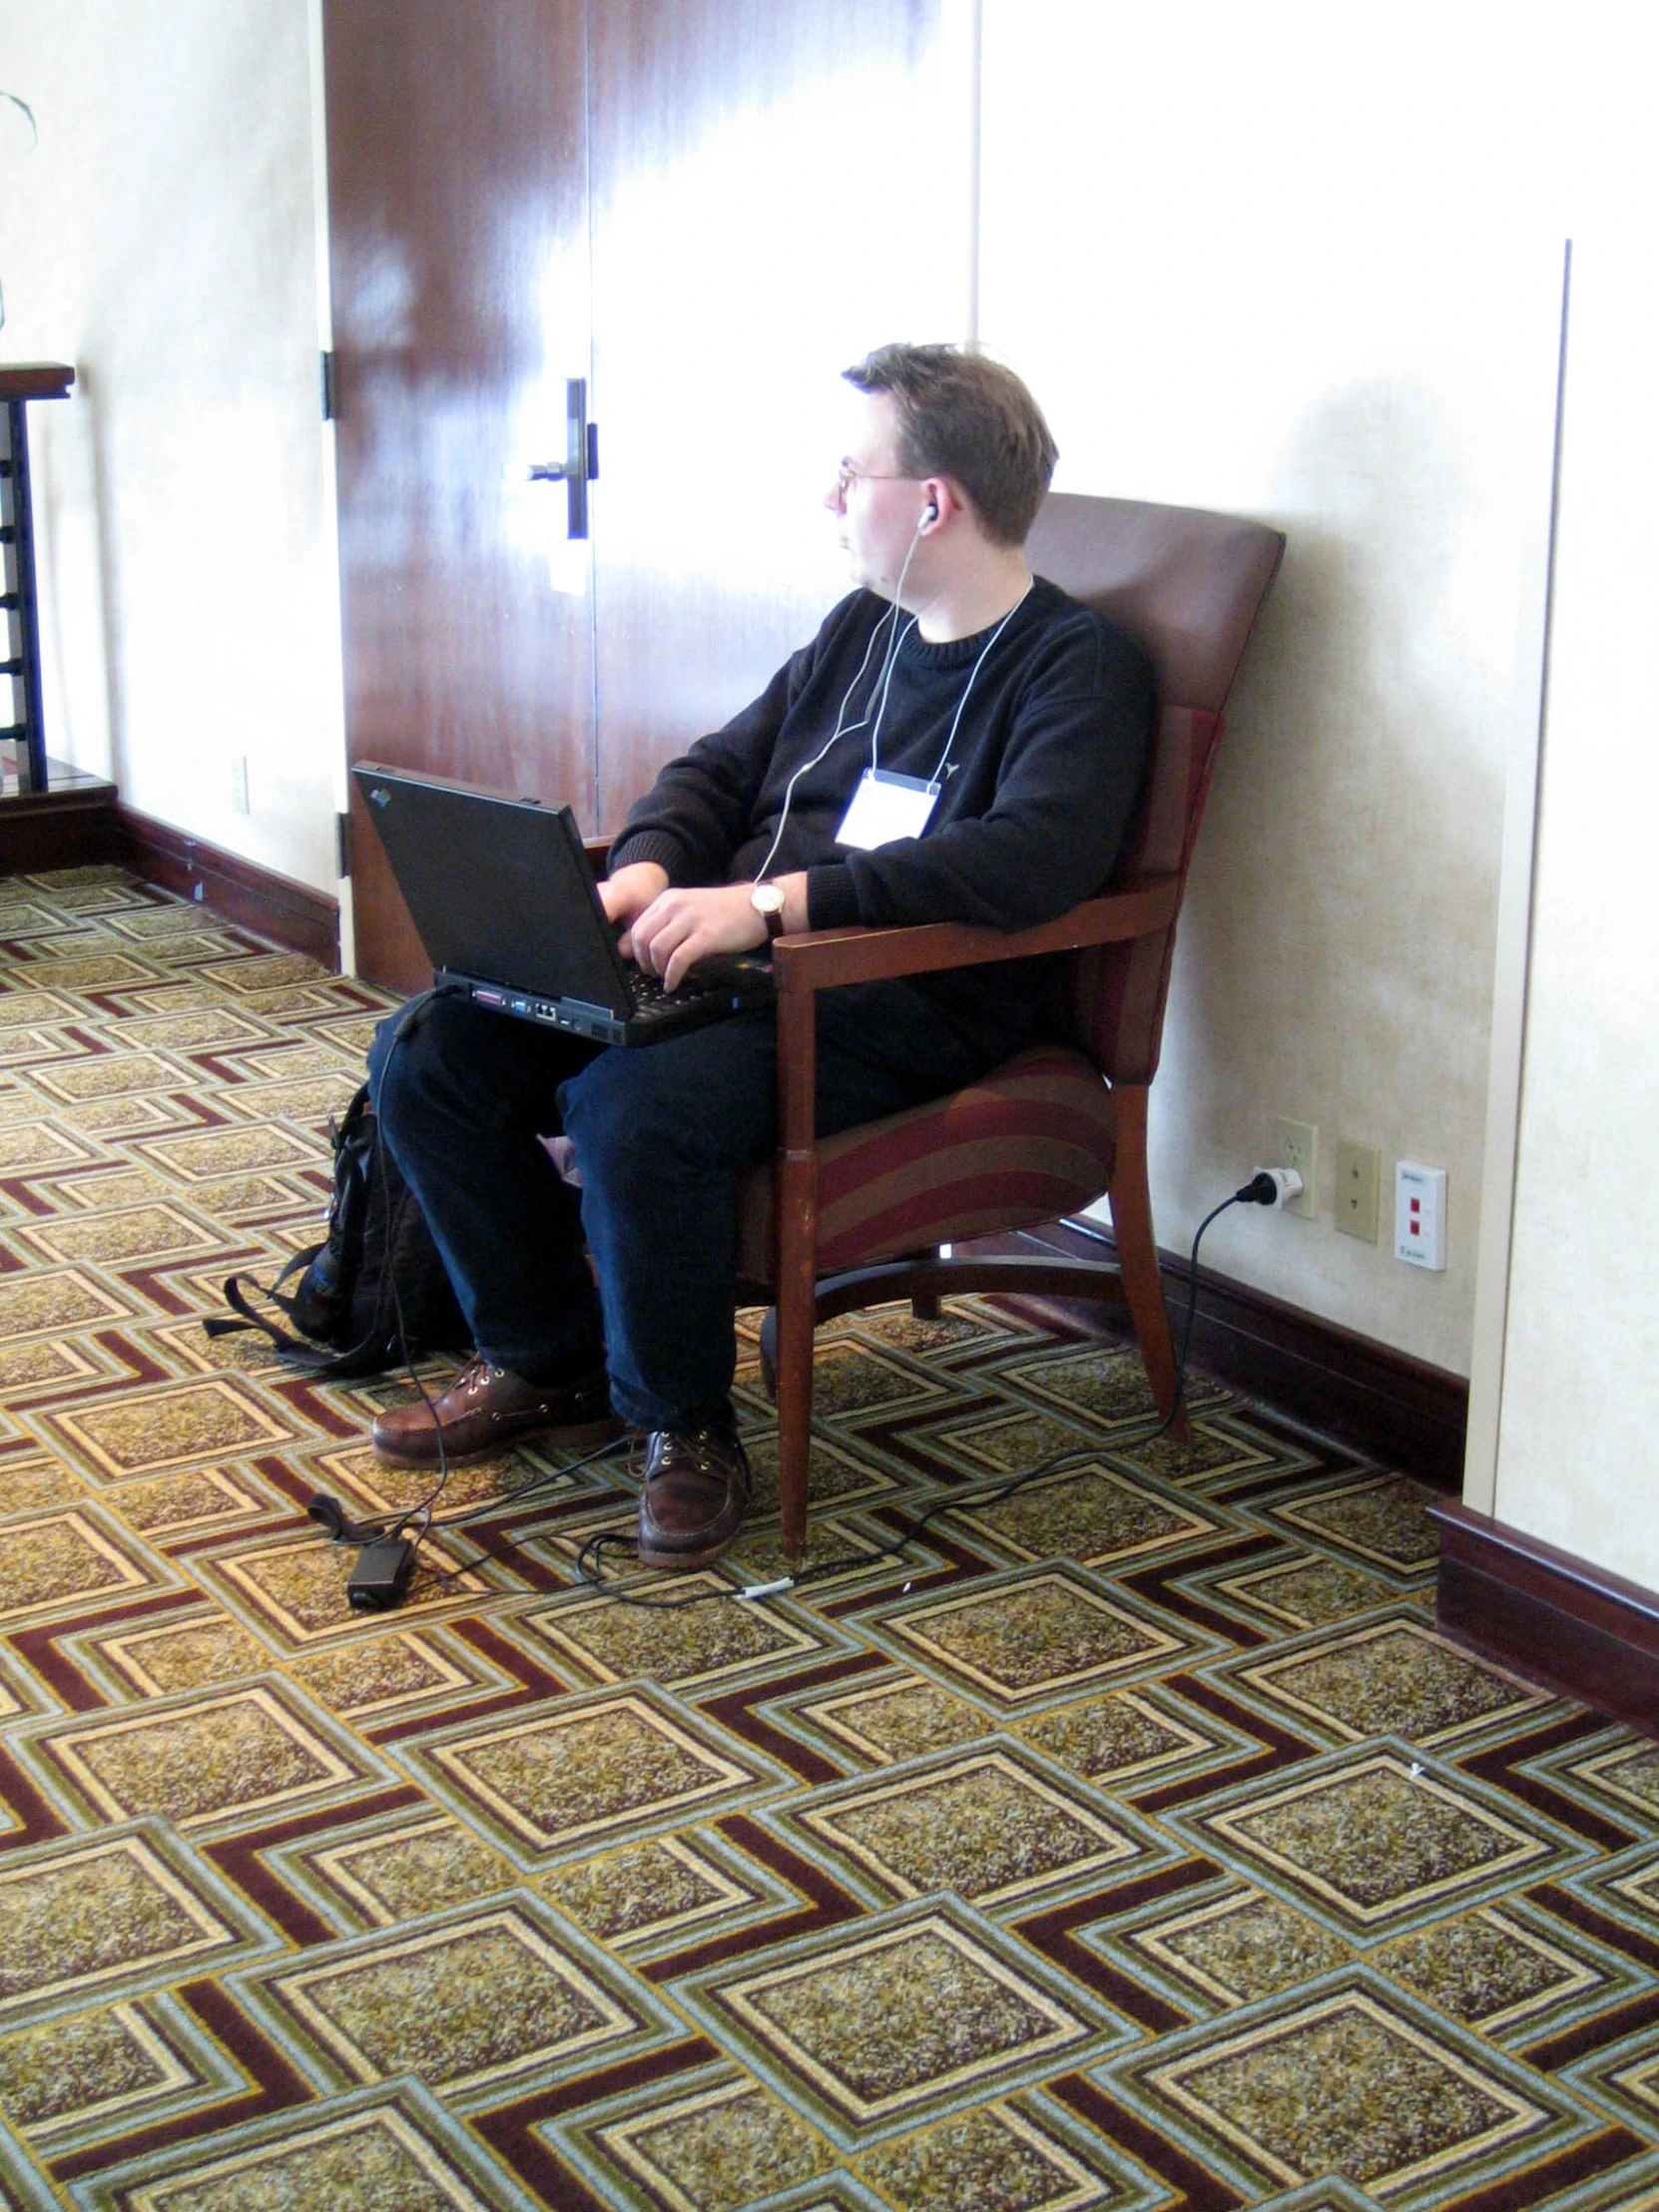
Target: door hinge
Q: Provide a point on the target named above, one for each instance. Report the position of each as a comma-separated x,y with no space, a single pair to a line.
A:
343,845
331,387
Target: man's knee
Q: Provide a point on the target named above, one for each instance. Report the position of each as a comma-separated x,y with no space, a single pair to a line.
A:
380,1047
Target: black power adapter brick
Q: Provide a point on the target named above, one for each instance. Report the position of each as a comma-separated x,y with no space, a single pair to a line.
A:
381,1574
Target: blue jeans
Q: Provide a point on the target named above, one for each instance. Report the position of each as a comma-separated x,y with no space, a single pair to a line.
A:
663,1135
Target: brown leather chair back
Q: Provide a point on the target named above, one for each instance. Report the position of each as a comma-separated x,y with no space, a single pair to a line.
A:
1187,586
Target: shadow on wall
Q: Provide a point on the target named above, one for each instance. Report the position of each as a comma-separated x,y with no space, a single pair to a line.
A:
109,582
18,132
56,503
73,493
1342,921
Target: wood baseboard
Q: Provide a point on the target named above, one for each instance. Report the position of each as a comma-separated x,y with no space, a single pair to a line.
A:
72,823
1379,1401
274,905
1555,1619
80,822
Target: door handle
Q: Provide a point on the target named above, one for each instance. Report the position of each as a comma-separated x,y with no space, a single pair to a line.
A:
581,462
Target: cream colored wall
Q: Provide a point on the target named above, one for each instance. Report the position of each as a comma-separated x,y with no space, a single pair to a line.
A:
162,237
1579,1398
1250,263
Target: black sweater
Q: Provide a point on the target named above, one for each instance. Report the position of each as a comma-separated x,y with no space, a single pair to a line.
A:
1040,786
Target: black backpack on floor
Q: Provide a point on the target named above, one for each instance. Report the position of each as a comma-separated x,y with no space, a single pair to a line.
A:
374,1292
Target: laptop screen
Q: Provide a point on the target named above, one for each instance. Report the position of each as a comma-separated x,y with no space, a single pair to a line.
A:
498,889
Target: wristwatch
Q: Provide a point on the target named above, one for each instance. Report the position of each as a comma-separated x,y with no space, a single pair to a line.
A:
768,901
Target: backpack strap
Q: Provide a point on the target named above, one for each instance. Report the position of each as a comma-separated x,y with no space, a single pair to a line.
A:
367,1357
215,1324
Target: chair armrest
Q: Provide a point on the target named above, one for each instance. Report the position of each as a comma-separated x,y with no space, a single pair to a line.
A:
814,960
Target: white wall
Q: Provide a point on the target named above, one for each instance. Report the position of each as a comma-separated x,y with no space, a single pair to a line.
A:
161,236
1292,263
1251,261
1579,1402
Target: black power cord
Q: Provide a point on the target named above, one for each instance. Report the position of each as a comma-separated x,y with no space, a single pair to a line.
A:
386,1561
379,1529
388,1555
1262,1190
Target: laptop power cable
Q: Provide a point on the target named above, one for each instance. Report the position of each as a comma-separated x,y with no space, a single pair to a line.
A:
1266,1187
387,1558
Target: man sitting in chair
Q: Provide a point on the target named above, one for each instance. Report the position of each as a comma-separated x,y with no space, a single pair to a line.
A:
959,743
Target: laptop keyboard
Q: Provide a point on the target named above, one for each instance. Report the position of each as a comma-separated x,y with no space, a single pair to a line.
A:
650,998
720,986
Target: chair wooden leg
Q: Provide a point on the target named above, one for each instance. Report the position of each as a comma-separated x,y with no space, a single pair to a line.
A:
795,1419
1138,1251
797,1262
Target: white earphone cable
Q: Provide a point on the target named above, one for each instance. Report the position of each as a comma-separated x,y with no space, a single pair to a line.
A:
956,721
882,683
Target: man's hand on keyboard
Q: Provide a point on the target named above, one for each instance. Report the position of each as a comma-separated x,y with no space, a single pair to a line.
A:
626,894
681,926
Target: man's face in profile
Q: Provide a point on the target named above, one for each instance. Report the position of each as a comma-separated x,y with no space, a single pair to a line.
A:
879,506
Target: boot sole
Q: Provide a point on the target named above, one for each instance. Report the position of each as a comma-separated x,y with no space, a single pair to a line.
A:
575,1436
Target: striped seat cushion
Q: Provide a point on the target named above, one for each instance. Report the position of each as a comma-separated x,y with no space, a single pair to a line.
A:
1027,1143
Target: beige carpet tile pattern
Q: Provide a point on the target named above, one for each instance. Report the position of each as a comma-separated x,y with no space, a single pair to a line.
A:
1132,1844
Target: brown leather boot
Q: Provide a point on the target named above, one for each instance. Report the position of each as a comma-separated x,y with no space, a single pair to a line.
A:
486,1408
697,1491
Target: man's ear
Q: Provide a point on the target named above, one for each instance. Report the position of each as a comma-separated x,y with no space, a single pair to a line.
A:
940,500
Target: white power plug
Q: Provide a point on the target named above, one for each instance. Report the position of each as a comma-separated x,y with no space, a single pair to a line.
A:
1286,1181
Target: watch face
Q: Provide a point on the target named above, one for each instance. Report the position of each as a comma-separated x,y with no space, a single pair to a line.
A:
767,898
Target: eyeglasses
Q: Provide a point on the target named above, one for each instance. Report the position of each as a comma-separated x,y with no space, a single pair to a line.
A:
846,476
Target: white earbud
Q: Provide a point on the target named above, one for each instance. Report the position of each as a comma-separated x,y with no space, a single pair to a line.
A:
930,513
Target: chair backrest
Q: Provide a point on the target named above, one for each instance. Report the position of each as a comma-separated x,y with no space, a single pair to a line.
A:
1188,585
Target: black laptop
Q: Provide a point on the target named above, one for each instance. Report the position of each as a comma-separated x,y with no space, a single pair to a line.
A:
504,900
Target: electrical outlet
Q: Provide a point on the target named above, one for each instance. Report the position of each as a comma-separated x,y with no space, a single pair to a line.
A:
1359,1185
1295,1144
239,785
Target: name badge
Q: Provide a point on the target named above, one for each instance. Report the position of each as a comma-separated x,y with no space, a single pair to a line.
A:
885,806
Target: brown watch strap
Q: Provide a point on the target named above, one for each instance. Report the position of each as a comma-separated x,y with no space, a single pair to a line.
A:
772,917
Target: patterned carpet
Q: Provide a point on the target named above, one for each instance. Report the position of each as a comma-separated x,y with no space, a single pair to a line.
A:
1133,1842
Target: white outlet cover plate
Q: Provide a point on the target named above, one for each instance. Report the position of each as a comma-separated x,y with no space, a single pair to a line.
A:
1419,1214
1295,1144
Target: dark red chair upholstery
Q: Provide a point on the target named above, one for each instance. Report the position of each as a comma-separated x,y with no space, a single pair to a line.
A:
861,1216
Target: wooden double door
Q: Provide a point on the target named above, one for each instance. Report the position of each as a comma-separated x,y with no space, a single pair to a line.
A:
701,211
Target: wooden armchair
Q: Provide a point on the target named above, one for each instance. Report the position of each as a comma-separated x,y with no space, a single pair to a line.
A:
860,1216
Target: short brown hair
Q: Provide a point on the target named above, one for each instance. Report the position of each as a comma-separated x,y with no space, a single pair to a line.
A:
965,416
